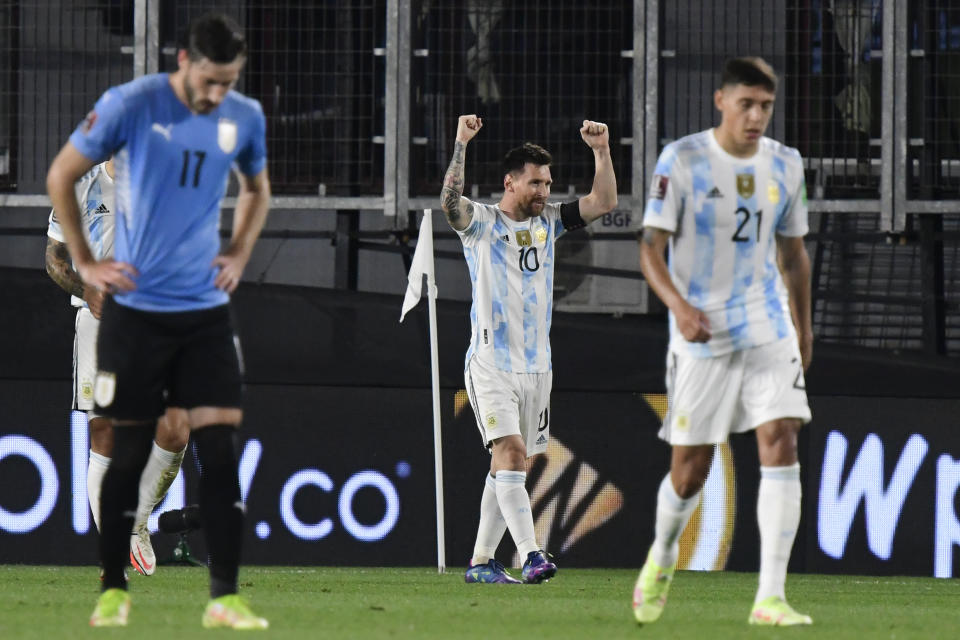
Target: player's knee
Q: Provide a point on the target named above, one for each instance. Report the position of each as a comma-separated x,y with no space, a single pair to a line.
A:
173,430
216,447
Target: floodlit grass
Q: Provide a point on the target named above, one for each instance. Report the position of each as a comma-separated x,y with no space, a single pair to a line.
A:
55,602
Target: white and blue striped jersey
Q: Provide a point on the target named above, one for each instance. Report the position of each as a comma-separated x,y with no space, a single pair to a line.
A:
96,195
511,271
724,213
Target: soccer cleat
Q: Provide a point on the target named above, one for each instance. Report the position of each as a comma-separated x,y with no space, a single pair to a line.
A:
538,568
650,592
142,557
493,572
775,612
112,610
233,612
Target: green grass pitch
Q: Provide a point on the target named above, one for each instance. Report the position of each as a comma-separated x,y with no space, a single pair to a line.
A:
55,602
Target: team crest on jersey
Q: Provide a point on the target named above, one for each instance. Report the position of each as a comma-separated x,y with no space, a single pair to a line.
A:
524,239
104,388
773,192
658,188
745,184
541,234
226,135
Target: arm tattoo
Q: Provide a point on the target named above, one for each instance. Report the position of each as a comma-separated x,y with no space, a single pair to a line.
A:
61,270
650,236
453,184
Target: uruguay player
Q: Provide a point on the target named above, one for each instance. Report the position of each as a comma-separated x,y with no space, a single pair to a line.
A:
731,205
509,250
166,338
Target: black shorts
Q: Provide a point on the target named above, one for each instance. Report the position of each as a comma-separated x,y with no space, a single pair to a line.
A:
147,361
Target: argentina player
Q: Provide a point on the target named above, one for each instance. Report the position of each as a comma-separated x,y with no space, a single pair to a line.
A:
509,249
731,206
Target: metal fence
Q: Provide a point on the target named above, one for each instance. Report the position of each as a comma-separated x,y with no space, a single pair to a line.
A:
362,96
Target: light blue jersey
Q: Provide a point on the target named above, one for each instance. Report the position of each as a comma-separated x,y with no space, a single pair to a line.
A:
511,270
171,173
95,193
724,213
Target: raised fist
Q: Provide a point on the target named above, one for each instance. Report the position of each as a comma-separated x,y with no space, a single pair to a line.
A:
467,127
595,134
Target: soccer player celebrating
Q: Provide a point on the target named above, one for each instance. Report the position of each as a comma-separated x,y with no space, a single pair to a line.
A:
731,205
96,191
509,250
166,338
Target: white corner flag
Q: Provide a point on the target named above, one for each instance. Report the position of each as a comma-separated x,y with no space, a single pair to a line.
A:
423,264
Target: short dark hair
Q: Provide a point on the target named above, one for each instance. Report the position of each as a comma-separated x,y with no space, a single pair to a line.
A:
216,37
750,71
518,157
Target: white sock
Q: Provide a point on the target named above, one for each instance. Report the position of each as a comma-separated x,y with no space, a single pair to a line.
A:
159,473
778,514
492,524
514,504
673,513
96,468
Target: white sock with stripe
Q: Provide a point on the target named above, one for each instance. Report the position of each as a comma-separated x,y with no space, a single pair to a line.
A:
673,513
515,506
492,524
778,514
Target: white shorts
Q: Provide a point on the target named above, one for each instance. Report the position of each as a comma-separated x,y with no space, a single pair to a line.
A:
506,403
710,398
84,359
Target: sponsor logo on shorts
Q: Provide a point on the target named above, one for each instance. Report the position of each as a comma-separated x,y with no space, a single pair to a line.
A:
542,439
104,388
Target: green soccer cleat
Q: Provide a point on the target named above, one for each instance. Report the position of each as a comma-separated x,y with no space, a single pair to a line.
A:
775,612
113,608
650,592
233,612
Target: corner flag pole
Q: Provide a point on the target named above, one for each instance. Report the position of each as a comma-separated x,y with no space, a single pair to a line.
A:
422,264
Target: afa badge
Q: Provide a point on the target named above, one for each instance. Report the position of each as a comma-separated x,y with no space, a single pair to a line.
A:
773,192
540,234
745,184
491,421
682,423
226,135
86,390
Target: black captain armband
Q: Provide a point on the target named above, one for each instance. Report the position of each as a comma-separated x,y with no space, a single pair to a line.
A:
570,215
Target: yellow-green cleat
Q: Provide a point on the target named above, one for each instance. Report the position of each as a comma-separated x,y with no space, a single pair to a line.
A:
775,612
112,610
231,612
650,592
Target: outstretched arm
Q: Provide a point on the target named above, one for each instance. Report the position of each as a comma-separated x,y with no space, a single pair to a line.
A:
691,322
459,210
795,267
603,196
